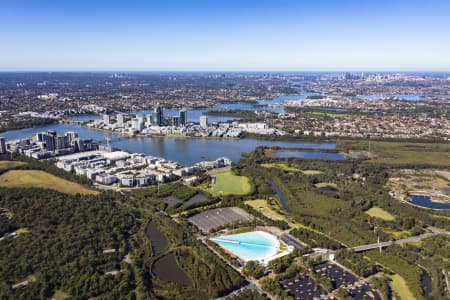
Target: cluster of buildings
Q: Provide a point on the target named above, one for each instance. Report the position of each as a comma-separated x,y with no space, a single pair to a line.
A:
103,164
48,144
157,124
127,124
123,169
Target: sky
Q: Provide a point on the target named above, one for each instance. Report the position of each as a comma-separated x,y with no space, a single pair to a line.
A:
224,35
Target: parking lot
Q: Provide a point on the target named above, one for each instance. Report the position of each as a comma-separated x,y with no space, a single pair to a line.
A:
303,287
218,217
363,292
336,274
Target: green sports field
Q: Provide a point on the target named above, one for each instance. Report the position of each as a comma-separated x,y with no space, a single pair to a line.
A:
229,184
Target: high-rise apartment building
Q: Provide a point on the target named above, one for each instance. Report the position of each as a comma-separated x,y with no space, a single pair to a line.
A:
183,117
2,145
203,121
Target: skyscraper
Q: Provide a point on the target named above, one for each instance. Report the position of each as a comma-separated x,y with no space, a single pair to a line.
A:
183,117
157,116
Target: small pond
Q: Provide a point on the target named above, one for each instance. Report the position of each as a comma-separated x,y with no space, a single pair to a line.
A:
193,200
157,238
167,268
329,189
426,202
309,155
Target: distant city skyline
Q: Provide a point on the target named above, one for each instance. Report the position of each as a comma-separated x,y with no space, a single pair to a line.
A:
232,35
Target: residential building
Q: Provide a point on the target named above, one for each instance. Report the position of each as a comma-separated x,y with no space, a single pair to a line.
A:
2,145
203,121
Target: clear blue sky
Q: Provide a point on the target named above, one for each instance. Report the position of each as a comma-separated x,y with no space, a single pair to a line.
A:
225,35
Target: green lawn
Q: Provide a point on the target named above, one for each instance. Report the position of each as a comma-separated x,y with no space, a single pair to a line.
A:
41,179
311,172
22,231
280,166
266,209
60,295
378,212
326,184
399,287
6,164
400,152
229,184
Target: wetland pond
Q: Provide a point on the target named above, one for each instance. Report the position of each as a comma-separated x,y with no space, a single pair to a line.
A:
157,238
309,155
329,189
167,268
426,202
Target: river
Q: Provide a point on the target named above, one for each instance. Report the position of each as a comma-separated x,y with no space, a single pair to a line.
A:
183,150
186,151
280,195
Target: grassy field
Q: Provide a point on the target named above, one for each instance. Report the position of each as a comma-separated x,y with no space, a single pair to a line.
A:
229,184
6,164
41,179
280,166
312,172
60,295
433,154
399,287
22,231
325,184
378,212
398,234
266,209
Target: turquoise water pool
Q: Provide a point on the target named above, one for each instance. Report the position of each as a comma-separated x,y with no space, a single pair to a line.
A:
254,245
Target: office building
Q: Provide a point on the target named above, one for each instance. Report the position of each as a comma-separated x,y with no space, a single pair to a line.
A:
203,121
183,117
2,145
